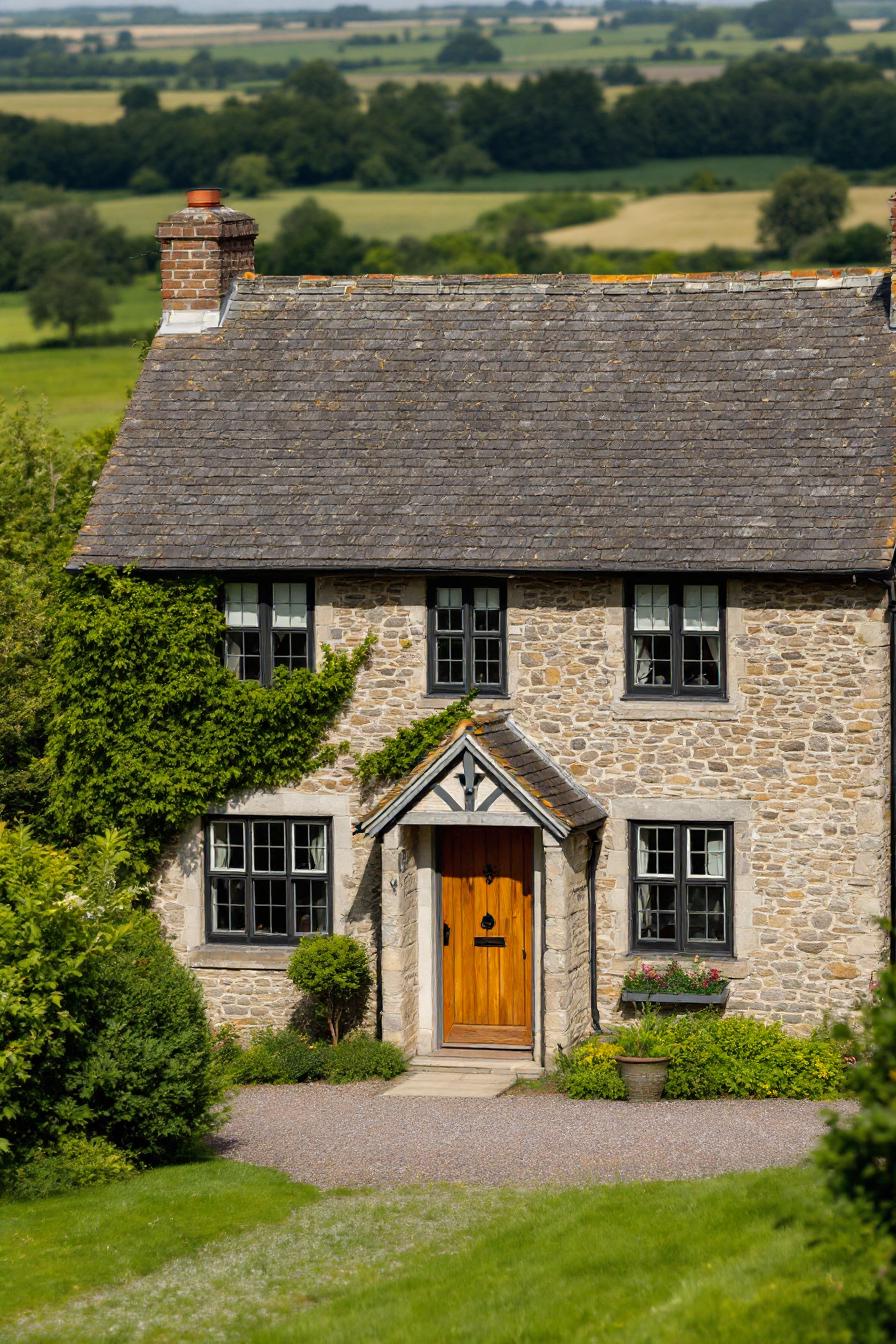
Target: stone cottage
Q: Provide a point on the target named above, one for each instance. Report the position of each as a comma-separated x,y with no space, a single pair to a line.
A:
649,519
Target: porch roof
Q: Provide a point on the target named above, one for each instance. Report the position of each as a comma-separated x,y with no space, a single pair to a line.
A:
519,768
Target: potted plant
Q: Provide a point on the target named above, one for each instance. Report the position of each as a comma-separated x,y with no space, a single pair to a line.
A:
642,1060
676,984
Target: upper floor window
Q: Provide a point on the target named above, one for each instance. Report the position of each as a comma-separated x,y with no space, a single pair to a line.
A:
676,638
269,625
681,887
467,636
268,878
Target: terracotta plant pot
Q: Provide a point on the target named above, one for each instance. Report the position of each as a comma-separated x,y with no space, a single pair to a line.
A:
644,1078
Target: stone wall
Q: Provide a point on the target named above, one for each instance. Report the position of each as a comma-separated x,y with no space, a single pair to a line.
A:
400,984
796,759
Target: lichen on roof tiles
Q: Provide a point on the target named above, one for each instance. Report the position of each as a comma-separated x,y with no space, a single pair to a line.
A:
734,422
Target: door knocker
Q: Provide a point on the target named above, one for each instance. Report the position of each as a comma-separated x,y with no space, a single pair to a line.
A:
487,922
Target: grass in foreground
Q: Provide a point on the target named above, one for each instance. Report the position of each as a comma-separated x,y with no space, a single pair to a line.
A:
52,1249
86,388
737,1257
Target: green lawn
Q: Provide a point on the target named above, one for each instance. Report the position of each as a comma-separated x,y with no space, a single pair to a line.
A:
230,1253
85,388
53,1249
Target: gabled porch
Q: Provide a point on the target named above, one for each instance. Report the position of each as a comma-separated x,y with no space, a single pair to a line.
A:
487,852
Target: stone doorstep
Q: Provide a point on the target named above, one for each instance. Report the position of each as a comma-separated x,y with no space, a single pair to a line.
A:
453,1083
521,1066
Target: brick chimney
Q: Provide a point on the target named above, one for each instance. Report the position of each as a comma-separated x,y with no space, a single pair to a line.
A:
203,247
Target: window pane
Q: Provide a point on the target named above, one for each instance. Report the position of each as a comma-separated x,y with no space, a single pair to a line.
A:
228,851
706,914
653,660
242,654
270,905
651,606
486,661
241,605
290,648
656,851
656,912
450,660
706,851
229,904
449,609
289,606
310,896
700,606
487,609
309,847
269,846
700,666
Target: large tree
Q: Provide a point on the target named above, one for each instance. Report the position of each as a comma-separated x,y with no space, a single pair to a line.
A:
802,202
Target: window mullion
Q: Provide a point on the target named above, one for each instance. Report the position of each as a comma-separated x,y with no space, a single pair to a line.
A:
266,632
681,870
675,626
467,594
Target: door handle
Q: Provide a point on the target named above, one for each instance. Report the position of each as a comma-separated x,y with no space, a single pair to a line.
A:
446,934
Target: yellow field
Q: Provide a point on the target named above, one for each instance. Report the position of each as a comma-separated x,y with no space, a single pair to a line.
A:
696,219
373,214
94,106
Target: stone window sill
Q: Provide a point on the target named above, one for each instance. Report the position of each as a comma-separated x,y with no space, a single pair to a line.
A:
668,710
235,957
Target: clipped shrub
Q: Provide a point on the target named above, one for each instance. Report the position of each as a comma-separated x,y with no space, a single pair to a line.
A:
71,1164
589,1071
333,969
279,1057
146,1082
360,1056
713,1056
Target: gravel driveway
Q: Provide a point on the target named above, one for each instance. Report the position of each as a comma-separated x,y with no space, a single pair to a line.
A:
353,1136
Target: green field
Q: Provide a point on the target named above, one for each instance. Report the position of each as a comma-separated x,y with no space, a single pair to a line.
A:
435,207
236,1254
373,214
136,309
85,388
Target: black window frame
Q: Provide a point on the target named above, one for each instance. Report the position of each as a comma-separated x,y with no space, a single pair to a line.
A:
249,935
676,690
466,585
683,946
266,627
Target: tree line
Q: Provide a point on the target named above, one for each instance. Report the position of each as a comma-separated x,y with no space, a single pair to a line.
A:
313,128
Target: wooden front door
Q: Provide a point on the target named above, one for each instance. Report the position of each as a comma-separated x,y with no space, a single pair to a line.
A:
486,935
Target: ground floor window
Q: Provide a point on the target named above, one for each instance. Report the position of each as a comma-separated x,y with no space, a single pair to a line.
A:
267,878
681,886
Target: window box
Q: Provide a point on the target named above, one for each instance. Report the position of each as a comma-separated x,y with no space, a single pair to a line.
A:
704,1000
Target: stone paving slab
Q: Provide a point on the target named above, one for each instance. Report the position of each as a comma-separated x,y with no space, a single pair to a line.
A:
355,1135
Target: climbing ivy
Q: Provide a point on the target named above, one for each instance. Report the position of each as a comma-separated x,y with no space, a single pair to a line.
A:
410,744
149,728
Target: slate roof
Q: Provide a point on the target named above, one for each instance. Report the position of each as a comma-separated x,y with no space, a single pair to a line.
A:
546,423
568,805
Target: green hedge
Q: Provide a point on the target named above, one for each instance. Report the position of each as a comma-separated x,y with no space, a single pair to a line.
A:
287,1056
713,1056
